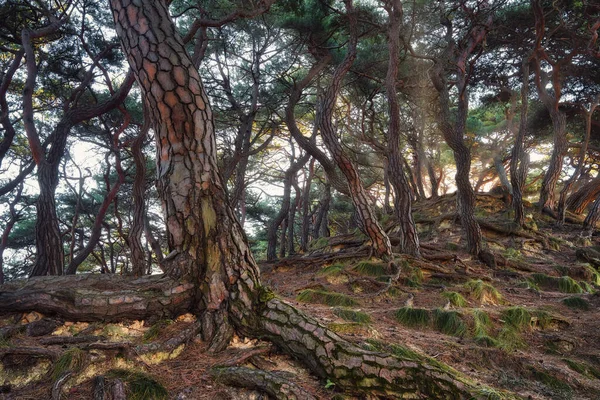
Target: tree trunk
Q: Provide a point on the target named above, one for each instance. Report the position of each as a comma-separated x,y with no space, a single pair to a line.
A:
591,220
581,160
409,240
579,201
306,214
209,248
369,224
519,161
14,217
321,228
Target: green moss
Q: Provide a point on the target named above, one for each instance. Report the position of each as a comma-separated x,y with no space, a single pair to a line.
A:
512,254
265,294
140,386
324,297
449,322
405,353
352,315
484,292
352,327
594,274
372,268
517,317
413,317
583,369
153,332
71,360
510,339
319,243
455,298
4,342
576,302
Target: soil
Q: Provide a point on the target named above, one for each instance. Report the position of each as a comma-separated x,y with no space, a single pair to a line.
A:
554,355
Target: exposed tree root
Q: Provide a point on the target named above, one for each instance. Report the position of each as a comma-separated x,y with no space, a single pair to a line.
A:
276,385
30,352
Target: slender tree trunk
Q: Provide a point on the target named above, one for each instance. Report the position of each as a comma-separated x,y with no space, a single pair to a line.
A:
291,225
591,220
369,224
306,214
409,240
519,161
14,217
580,162
321,227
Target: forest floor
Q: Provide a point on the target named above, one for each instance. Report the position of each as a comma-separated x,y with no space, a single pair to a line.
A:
531,326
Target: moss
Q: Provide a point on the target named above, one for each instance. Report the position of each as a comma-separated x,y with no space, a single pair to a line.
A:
449,322
455,298
564,284
413,317
484,292
576,302
405,353
319,243
71,360
512,254
518,317
594,274
347,328
140,386
372,268
265,294
328,298
352,315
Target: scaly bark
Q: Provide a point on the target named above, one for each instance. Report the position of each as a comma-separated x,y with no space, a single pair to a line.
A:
209,249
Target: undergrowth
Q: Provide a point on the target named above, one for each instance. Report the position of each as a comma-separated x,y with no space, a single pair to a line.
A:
140,386
576,302
352,315
153,332
71,360
370,268
413,317
324,297
455,298
484,292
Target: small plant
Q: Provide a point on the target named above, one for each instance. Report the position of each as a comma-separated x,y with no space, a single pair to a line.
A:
449,322
512,254
413,317
566,284
594,275
576,302
372,268
484,292
330,270
481,323
517,317
583,369
352,315
141,386
153,332
328,298
455,298
72,359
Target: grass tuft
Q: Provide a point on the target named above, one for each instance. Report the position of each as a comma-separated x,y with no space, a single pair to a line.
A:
332,270
564,284
370,268
481,323
328,298
71,360
140,386
153,332
413,317
352,315
517,317
484,292
455,298
449,322
486,341
576,302
583,369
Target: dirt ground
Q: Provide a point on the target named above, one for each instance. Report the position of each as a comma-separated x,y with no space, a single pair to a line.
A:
550,350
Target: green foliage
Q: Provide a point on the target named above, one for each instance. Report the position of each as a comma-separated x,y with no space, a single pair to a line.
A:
153,332
512,254
484,292
449,322
71,360
352,315
576,302
481,323
517,317
324,297
455,298
140,386
413,317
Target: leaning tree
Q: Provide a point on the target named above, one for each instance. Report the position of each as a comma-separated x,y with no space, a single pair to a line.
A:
211,270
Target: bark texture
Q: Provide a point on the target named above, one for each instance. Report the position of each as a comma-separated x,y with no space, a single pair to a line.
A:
369,224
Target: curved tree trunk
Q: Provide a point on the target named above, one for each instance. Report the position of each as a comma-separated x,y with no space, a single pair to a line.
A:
409,240
369,224
581,199
591,220
210,250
